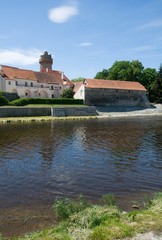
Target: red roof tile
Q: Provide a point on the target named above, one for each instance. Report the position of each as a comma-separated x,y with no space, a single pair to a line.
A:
51,77
114,84
77,85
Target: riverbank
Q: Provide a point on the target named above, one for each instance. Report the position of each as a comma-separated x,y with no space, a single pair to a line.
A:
105,112
102,222
101,112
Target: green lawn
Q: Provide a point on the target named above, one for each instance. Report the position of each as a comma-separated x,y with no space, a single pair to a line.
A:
46,106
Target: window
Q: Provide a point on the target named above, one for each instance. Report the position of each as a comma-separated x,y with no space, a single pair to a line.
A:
51,87
128,91
26,94
31,84
9,83
41,86
16,83
26,84
60,87
116,90
52,95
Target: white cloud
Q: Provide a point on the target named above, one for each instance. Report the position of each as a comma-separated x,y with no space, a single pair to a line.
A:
63,13
84,44
153,24
19,56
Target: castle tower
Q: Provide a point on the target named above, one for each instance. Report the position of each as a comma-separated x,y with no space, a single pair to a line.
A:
46,62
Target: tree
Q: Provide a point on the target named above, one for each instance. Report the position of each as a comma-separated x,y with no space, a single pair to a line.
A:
137,70
104,74
122,70
156,89
79,79
67,93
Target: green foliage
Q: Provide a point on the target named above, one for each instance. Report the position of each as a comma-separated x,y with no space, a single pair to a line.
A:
109,200
66,207
26,101
3,100
114,230
103,74
67,93
79,79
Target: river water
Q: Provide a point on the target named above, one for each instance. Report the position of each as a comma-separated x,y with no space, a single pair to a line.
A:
41,161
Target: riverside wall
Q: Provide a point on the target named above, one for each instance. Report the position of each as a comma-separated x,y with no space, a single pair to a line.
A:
55,112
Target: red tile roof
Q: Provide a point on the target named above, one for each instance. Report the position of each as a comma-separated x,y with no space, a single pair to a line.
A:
77,85
114,84
51,77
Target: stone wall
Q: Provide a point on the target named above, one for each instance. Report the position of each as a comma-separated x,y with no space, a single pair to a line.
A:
113,97
74,111
56,112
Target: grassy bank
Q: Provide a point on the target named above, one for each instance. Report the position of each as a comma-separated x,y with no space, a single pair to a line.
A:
43,118
46,106
84,221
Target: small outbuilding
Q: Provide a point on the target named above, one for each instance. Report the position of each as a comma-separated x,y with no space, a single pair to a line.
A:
100,92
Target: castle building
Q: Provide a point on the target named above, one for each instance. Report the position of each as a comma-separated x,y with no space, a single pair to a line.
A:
46,83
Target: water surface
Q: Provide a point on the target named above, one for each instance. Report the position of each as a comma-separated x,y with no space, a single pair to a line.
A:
41,161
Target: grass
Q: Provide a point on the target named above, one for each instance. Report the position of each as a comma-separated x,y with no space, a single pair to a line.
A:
43,118
47,106
82,221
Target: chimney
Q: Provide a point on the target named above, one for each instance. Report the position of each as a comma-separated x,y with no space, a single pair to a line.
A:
46,62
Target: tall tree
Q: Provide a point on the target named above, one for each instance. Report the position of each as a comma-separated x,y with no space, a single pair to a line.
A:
122,70
104,74
156,90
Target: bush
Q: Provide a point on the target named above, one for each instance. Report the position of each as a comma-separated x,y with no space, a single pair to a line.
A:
26,101
66,207
67,93
109,200
3,100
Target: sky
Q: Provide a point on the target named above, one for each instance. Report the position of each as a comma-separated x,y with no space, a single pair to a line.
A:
83,36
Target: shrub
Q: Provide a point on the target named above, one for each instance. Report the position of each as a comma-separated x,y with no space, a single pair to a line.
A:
3,100
26,101
67,93
66,207
109,200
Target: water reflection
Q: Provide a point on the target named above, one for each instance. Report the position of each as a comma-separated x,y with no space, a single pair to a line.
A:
39,161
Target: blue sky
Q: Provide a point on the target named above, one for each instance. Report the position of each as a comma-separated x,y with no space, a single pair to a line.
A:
83,36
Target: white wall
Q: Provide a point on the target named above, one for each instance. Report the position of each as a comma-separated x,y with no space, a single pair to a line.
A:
80,94
34,89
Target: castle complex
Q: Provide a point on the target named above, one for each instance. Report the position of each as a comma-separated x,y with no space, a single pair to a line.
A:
46,83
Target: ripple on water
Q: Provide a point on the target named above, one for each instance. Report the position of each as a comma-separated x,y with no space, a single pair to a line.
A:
40,161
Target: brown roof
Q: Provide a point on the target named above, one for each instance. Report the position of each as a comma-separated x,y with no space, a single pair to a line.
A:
114,84
77,85
52,77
